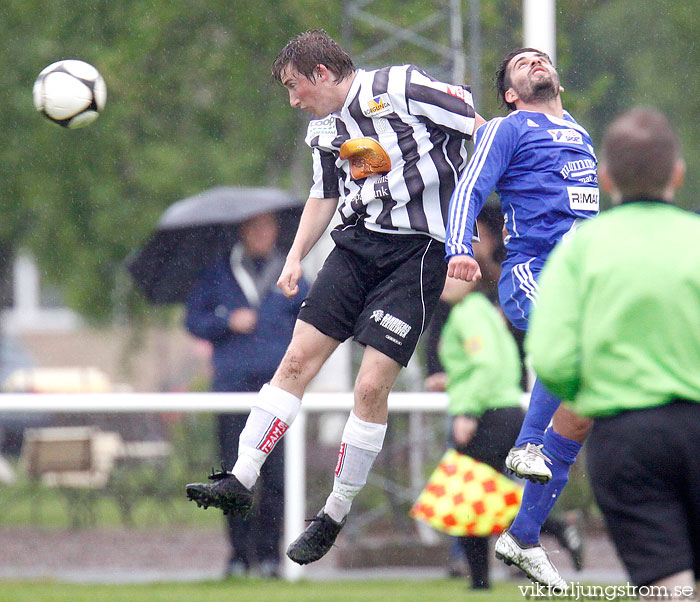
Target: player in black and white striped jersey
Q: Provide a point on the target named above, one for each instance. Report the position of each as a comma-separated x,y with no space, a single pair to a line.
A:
421,123
388,148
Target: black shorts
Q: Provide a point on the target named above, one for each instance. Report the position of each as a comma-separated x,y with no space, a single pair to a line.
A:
644,466
379,288
495,434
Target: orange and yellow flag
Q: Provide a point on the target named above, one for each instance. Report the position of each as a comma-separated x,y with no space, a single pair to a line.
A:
467,497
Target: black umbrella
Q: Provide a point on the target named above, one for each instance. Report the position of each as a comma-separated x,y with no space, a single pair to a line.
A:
193,232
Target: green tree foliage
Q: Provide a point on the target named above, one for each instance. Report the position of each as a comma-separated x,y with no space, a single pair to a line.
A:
191,105
624,53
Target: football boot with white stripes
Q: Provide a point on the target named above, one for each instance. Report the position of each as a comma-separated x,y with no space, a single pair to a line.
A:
529,462
531,560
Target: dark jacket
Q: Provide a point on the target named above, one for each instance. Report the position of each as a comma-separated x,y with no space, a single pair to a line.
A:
241,358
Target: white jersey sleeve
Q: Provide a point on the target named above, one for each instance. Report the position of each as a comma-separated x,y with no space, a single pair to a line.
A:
325,177
447,106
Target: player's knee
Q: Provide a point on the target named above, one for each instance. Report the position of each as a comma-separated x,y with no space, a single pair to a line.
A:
369,390
298,365
571,426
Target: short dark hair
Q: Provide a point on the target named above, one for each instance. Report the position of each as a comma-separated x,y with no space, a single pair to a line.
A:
310,49
503,82
640,149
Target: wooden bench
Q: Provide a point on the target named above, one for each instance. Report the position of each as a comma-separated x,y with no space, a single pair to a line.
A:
76,460
80,461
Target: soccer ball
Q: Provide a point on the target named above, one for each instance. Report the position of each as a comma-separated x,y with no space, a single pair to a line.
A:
70,93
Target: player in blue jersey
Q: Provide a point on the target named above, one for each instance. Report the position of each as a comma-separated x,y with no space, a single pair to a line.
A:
542,165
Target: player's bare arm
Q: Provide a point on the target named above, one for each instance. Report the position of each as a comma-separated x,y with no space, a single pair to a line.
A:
314,220
463,267
478,121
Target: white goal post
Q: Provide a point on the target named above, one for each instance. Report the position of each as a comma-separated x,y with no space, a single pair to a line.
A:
294,439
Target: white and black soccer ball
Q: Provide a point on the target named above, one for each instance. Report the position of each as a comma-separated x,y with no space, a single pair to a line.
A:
70,93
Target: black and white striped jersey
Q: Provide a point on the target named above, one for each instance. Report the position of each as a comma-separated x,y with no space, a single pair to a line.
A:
422,123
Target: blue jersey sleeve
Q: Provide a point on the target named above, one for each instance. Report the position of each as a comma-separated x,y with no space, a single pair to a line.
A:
495,144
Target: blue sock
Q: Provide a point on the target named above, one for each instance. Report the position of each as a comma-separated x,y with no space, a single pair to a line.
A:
539,414
538,500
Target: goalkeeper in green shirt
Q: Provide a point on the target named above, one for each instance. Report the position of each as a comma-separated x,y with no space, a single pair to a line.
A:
616,333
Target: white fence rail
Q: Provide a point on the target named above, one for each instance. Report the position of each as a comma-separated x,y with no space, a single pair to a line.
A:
294,440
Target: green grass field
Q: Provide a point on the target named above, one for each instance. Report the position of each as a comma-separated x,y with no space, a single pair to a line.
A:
46,508
259,591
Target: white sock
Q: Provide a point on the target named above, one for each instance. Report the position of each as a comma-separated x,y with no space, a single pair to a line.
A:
270,417
361,443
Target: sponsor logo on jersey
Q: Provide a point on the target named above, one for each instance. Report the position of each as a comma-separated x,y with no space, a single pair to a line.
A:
381,125
474,344
381,188
459,92
532,124
378,106
322,127
578,169
583,199
570,136
273,435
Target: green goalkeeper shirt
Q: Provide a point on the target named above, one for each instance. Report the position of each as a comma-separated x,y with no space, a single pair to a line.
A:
617,322
480,358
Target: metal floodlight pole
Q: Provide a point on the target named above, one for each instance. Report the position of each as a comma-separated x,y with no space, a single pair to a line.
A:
540,26
453,57
457,42
475,51
450,55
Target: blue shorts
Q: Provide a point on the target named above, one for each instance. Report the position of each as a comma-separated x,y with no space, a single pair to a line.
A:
517,288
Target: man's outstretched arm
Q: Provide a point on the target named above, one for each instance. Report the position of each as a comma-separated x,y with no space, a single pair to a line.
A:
314,220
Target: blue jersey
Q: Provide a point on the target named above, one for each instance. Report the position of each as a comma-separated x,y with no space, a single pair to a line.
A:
544,171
